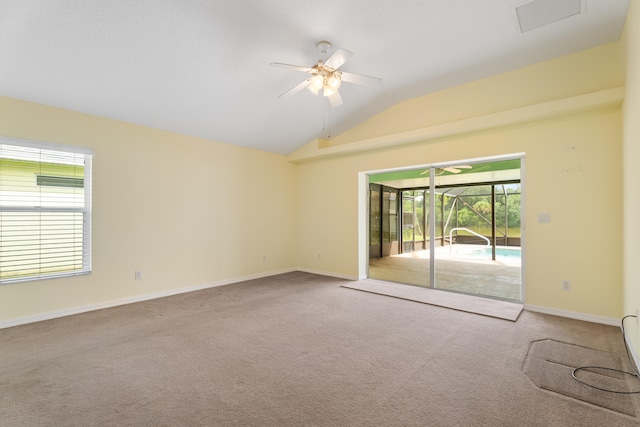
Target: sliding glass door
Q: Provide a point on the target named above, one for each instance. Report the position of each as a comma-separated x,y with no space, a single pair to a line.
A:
460,229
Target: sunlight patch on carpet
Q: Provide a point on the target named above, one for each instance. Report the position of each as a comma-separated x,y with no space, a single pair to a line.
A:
467,303
549,364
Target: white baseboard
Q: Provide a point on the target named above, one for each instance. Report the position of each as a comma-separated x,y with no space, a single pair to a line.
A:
146,297
573,315
328,273
139,298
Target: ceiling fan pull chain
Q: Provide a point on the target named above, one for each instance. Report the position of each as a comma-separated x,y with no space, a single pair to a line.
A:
329,120
326,118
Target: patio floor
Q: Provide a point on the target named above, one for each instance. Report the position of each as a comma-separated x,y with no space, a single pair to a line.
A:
455,271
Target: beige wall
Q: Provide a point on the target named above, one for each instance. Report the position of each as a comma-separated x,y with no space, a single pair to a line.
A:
573,172
580,73
187,212
631,234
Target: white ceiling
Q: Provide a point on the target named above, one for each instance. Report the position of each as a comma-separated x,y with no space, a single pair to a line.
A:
201,67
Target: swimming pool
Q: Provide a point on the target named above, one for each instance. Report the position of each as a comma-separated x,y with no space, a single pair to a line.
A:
511,253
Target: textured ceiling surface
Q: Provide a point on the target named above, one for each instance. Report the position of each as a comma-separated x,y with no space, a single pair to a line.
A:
202,67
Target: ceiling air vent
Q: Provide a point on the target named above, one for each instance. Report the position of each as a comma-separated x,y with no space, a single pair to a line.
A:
538,13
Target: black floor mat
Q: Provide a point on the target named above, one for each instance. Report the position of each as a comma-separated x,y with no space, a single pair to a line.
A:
549,365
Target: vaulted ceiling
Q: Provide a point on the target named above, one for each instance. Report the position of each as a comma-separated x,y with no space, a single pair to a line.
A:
202,67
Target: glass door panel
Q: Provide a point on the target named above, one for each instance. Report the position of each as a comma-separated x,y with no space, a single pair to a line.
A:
408,221
420,225
375,220
381,266
389,222
478,250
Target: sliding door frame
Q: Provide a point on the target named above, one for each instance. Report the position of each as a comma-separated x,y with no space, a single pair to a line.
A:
363,246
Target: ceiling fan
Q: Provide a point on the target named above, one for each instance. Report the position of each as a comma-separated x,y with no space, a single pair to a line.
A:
452,169
325,75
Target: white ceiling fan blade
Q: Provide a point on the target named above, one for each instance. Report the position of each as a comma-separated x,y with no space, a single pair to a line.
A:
339,57
360,79
293,67
456,169
295,89
335,99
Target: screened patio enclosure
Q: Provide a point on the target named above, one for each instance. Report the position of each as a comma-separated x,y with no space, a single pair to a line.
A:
455,228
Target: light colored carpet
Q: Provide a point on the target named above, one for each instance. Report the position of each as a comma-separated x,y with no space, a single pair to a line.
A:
290,350
470,304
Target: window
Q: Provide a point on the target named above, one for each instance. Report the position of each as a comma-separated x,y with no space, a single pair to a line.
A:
45,210
60,181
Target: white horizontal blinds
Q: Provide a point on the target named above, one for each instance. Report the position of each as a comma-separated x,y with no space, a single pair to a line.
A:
44,212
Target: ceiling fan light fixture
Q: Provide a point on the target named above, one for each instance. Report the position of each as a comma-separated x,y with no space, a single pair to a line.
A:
325,75
334,82
316,82
328,90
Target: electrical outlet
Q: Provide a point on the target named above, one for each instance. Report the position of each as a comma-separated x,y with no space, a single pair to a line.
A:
264,258
544,218
566,285
138,275
319,257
